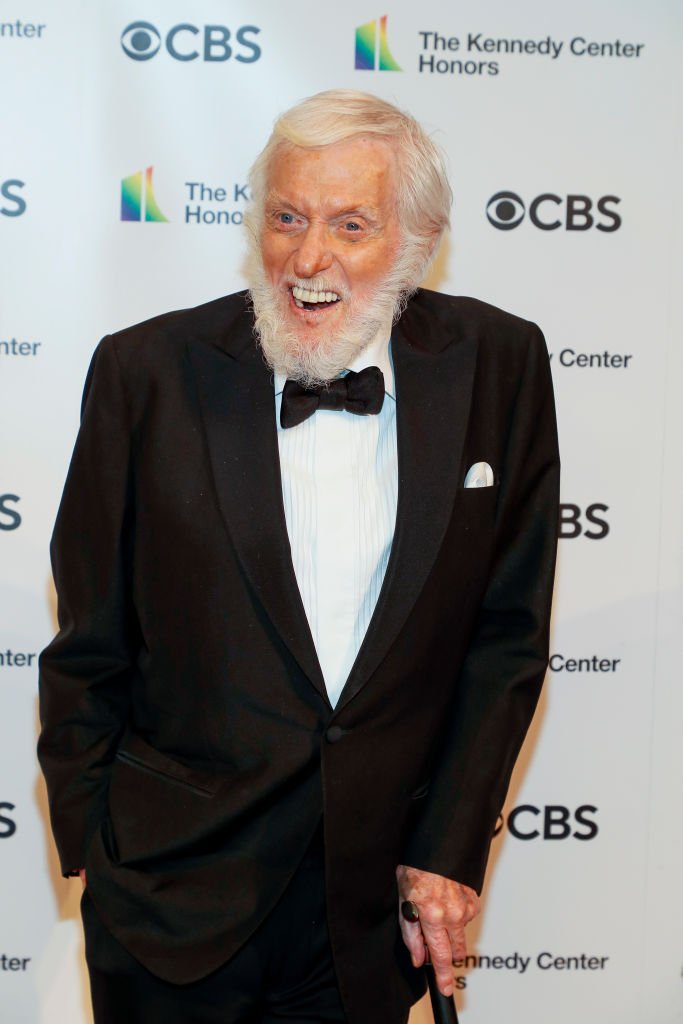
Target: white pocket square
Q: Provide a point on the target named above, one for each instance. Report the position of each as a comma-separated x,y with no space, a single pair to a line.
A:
479,475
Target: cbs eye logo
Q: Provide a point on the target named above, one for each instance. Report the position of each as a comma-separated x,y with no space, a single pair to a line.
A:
141,40
505,211
185,42
548,212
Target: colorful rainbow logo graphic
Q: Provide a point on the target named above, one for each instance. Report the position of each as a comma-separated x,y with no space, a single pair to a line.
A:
372,48
138,201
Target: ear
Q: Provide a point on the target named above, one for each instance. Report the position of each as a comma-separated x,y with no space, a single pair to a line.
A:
433,243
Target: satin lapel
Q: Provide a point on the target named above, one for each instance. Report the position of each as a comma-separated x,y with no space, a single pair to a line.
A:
433,396
238,409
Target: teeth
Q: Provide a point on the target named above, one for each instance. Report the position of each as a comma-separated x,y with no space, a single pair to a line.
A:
303,295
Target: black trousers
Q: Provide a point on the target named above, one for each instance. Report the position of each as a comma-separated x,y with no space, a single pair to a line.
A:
285,972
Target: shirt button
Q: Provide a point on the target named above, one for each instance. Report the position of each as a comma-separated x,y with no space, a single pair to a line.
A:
334,733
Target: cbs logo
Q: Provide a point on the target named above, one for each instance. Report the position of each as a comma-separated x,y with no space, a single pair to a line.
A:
506,210
9,517
554,821
11,203
141,41
577,523
8,826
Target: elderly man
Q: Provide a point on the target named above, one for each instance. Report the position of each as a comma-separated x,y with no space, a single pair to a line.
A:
304,562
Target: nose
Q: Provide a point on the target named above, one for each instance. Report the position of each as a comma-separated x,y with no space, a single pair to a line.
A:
313,255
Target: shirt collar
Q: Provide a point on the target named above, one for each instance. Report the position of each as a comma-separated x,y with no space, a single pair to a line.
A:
376,353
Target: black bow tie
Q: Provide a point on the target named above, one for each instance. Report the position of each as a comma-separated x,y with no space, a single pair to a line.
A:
361,393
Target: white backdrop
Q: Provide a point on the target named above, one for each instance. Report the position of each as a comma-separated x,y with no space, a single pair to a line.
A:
583,900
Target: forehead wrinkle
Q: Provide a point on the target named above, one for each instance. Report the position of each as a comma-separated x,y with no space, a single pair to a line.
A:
275,198
373,202
309,186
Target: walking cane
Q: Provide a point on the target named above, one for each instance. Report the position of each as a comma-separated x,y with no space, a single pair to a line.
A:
443,1007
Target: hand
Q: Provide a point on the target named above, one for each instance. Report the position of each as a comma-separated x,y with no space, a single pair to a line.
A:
81,875
445,907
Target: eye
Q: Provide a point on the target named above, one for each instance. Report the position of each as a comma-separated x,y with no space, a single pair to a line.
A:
282,218
140,40
352,225
505,210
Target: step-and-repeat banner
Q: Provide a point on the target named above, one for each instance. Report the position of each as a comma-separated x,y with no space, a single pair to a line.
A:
126,131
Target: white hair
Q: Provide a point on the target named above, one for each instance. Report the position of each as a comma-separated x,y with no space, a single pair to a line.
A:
424,196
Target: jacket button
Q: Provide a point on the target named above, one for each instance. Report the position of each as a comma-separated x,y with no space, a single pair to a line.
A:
334,733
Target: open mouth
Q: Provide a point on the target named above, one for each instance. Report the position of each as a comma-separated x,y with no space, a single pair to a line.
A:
313,301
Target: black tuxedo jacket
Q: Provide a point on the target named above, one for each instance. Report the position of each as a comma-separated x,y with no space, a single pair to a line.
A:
187,740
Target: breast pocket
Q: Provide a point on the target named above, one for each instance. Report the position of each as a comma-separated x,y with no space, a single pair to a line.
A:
478,504
472,534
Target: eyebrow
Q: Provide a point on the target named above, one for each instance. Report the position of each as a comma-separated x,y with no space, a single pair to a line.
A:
274,199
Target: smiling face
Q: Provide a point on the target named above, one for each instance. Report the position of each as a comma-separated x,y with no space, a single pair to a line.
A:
330,231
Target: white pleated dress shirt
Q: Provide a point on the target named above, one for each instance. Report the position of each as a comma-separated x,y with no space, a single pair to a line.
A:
340,488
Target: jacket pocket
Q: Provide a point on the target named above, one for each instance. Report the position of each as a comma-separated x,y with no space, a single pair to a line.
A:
476,506
421,791
138,754
482,494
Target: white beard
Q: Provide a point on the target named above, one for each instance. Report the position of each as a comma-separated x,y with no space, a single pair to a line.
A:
309,364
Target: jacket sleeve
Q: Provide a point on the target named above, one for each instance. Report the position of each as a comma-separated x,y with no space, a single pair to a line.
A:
85,672
499,685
